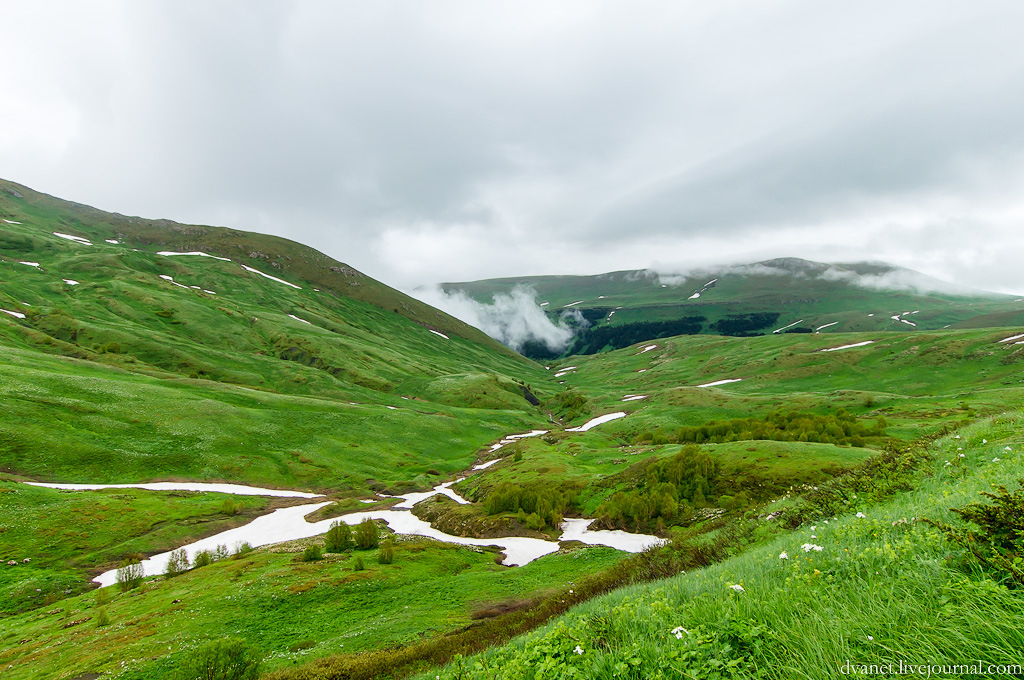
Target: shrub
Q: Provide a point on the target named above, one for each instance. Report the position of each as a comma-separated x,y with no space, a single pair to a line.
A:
204,558
220,552
338,538
228,507
358,564
366,535
102,597
999,540
130,574
312,553
227,659
387,551
102,618
177,563
242,549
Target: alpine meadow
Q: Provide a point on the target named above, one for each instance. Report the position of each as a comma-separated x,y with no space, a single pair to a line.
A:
227,455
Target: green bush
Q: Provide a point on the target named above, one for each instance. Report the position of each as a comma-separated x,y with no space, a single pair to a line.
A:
366,535
177,563
227,659
387,551
102,618
999,540
338,538
358,564
204,558
313,553
130,574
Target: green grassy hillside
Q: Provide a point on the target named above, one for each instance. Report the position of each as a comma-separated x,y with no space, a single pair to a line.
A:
789,293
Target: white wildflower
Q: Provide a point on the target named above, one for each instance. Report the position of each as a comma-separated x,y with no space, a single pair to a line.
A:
578,650
783,555
808,547
984,441
995,460
861,515
737,587
871,638
678,631
962,455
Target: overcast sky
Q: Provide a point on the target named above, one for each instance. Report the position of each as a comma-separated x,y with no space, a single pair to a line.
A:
444,141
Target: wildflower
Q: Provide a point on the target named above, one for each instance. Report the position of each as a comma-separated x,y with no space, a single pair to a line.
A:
578,650
947,464
678,632
1007,449
861,515
783,555
962,455
871,638
814,528
995,460
737,587
956,437
984,441
808,547
959,448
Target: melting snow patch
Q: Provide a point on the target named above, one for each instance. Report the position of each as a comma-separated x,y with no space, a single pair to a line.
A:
856,344
544,304
70,282
572,303
30,264
826,325
393,408
484,466
170,279
647,349
11,222
720,382
168,253
439,333
785,327
578,530
694,296
235,489
76,239
268,276
1012,338
909,323
15,314
112,241
209,291
298,319
634,397
594,422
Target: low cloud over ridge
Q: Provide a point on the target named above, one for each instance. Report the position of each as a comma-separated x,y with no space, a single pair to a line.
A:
513,318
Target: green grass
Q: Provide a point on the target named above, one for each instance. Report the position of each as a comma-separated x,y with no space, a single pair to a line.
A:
291,611
72,536
885,587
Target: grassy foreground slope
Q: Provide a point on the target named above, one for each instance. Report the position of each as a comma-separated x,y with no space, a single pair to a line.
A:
872,584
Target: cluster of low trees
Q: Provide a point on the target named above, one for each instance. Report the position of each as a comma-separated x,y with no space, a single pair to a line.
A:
536,507
841,428
593,340
742,325
342,538
670,489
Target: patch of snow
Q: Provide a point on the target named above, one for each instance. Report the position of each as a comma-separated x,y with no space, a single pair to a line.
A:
438,333
298,319
579,530
484,466
11,222
826,325
195,287
70,282
76,239
268,276
170,279
209,291
168,253
600,297
1012,338
634,397
785,327
647,349
234,489
544,304
112,241
594,422
30,264
856,344
15,314
870,314
694,296
393,408
909,323
571,304
411,499
368,500
720,382
642,370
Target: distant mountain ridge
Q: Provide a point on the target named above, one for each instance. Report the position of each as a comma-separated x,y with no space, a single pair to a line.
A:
790,294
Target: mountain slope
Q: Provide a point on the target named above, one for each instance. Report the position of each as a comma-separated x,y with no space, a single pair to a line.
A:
251,359
784,295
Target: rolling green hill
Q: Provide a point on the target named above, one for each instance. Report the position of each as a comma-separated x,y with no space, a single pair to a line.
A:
782,295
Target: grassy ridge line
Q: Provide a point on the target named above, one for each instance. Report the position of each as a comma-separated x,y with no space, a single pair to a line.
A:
884,587
272,254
